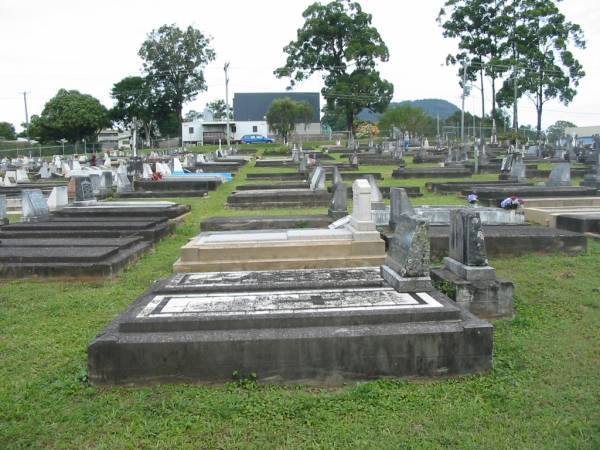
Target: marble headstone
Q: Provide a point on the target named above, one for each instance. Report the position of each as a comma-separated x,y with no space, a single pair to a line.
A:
317,181
123,184
33,206
376,196
58,198
560,175
44,171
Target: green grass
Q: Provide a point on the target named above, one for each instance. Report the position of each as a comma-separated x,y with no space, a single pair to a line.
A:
542,393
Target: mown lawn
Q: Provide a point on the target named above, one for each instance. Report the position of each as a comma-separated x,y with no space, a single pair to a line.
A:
542,393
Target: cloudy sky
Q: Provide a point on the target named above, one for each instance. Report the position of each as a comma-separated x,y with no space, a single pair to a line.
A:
88,46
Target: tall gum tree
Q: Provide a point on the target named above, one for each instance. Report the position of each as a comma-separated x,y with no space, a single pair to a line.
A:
545,66
338,40
173,60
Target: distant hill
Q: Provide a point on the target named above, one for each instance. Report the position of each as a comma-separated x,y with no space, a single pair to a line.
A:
432,106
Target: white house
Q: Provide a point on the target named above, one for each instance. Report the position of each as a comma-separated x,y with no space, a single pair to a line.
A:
249,117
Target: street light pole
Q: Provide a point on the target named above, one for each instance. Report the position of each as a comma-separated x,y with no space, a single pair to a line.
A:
462,113
225,67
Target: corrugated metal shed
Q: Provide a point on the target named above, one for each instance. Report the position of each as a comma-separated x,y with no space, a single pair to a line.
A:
254,105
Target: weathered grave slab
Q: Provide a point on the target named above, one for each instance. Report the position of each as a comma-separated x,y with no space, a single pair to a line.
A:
290,334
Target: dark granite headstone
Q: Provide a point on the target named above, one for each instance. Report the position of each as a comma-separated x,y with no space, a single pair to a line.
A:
467,244
339,202
399,204
83,189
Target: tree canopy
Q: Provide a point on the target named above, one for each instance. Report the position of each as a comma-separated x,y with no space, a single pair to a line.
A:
406,117
219,109
557,130
338,40
134,101
528,39
69,115
284,113
7,131
174,60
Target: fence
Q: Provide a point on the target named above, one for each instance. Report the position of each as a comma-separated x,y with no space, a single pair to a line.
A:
49,150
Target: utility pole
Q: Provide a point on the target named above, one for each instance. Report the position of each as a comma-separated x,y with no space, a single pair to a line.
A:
225,67
26,113
462,113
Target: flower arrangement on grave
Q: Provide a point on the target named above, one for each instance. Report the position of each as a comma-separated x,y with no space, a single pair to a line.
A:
156,176
511,202
472,199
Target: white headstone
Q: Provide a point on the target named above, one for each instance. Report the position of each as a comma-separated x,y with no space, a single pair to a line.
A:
123,184
44,171
317,181
361,200
22,176
33,206
147,172
177,167
58,198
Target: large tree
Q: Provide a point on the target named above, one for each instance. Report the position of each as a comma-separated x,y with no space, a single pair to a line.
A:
134,102
406,117
69,115
219,109
481,29
283,115
7,131
174,60
545,67
557,130
338,40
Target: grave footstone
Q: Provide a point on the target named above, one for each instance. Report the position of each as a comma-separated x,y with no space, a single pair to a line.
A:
560,175
33,206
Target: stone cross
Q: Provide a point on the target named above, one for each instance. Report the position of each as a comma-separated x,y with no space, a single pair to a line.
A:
399,205
33,206
467,243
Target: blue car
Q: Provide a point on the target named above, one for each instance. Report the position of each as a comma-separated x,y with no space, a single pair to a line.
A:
255,139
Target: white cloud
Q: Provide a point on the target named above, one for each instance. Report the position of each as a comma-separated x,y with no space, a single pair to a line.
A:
91,45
